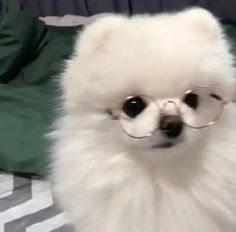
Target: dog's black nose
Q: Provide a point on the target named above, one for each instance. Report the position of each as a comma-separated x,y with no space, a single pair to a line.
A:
171,125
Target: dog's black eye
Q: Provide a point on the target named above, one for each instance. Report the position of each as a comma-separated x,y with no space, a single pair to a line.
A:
192,100
134,106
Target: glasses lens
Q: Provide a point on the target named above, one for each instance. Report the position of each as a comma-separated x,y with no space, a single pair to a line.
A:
200,107
139,116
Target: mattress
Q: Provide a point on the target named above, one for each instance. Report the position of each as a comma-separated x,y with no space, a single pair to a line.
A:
27,205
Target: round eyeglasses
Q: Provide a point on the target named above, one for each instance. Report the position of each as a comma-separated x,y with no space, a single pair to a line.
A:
139,116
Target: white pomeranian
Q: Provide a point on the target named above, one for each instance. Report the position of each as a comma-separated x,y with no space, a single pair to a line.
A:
146,141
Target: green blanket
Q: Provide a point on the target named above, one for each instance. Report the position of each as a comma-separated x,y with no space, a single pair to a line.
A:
31,55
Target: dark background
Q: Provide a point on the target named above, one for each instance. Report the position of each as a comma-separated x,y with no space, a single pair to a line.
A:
224,9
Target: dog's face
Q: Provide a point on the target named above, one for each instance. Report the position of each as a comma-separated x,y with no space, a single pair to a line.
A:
128,79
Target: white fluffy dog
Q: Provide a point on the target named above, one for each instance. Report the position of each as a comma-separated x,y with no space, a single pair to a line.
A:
131,152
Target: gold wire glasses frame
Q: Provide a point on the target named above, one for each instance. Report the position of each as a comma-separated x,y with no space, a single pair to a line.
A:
222,103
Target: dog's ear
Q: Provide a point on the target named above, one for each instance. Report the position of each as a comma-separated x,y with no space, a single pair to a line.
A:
96,35
204,21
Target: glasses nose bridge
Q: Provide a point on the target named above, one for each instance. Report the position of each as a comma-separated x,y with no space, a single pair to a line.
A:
169,106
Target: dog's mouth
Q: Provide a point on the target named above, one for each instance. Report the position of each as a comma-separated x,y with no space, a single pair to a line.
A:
165,145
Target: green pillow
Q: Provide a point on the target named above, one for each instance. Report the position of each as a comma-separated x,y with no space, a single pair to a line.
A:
31,55
20,35
230,31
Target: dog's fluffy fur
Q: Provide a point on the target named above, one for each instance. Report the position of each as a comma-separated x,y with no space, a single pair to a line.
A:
109,182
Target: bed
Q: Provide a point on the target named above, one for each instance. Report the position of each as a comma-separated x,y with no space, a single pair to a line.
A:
35,40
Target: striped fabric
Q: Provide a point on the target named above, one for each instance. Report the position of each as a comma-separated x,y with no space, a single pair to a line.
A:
27,205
